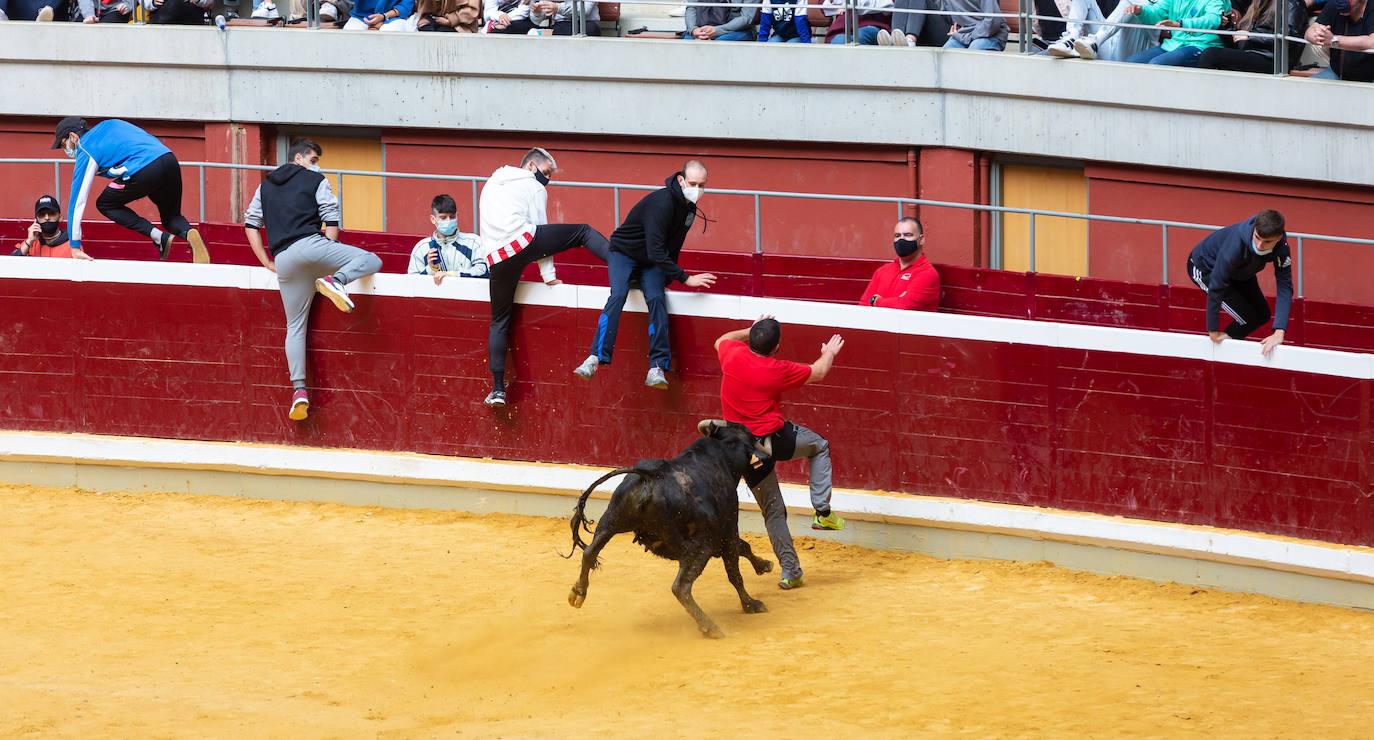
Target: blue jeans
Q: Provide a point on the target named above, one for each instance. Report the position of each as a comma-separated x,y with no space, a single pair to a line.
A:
1183,56
778,39
1325,74
651,280
867,35
727,36
977,44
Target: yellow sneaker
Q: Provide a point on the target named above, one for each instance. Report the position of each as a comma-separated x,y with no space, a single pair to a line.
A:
787,584
829,521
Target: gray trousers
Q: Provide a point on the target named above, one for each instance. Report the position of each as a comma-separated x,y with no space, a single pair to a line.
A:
816,450
306,259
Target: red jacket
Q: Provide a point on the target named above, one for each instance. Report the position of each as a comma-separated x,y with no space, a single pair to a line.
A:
917,288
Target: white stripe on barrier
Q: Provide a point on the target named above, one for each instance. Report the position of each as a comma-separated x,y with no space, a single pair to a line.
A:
1205,543
742,308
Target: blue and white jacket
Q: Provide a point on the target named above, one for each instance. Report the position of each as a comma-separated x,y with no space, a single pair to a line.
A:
115,149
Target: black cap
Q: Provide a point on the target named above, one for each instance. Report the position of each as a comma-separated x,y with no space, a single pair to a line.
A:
47,203
70,124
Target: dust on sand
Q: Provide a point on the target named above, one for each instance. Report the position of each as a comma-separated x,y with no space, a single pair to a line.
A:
163,615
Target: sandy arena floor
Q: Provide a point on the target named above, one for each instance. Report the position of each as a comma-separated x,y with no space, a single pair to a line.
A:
162,615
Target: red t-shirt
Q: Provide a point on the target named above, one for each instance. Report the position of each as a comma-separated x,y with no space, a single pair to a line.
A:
917,288
751,386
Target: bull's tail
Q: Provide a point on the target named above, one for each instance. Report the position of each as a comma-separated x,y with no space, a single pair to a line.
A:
580,522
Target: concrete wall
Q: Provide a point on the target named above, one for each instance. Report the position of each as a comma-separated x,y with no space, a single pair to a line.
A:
1222,122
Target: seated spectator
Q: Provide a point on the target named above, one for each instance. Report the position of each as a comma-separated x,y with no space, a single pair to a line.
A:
27,10
447,16
1085,40
506,16
111,11
784,21
559,16
1185,45
910,281
721,24
385,15
447,251
916,29
1345,29
178,12
977,32
1257,54
329,11
46,237
873,17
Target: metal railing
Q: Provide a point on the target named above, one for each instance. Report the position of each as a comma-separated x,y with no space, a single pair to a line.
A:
1296,239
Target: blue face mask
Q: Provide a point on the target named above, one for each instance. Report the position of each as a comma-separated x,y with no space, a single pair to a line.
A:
447,227
1255,248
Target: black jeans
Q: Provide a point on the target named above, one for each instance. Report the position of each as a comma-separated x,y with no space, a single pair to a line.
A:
1236,60
549,239
560,28
1243,301
160,182
178,12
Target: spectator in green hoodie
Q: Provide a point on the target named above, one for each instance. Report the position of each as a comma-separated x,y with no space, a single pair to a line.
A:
1184,18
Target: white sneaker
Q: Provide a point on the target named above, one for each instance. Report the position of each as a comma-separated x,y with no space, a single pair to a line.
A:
266,11
588,367
334,290
884,37
1063,48
655,379
329,13
1086,48
45,15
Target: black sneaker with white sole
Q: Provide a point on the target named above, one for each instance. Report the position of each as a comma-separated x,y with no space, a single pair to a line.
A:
164,245
496,399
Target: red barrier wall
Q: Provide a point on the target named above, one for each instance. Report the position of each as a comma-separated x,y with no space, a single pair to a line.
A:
1083,429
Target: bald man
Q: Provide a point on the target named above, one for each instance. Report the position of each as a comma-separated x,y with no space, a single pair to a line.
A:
646,248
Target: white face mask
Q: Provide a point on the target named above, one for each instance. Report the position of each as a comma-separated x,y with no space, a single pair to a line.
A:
1255,245
69,151
692,194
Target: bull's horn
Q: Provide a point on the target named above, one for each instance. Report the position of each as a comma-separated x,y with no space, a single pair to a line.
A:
705,426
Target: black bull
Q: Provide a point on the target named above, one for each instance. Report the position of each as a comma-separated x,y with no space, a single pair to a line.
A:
684,509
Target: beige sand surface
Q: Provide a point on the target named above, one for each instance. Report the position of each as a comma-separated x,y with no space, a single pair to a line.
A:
160,615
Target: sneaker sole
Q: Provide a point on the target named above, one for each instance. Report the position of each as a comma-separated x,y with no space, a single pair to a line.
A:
199,254
299,411
1059,53
1084,51
340,300
496,403
660,386
831,529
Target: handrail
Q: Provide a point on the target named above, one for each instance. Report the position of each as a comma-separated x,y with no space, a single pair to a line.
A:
756,195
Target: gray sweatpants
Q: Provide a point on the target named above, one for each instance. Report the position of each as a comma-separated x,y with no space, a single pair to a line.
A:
297,268
816,449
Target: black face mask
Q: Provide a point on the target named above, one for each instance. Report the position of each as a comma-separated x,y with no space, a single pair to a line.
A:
541,177
50,227
906,247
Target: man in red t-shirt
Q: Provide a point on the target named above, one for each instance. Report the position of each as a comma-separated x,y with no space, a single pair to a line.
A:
751,386
910,281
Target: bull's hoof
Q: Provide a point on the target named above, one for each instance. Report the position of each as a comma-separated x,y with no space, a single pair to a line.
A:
755,607
763,566
713,632
575,599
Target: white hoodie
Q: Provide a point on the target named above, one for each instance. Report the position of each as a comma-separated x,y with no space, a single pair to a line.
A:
512,206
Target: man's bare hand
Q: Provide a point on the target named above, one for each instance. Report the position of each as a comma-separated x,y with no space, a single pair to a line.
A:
1217,336
1319,34
554,281
439,277
34,231
833,346
701,280
1169,24
1270,342
953,29
704,33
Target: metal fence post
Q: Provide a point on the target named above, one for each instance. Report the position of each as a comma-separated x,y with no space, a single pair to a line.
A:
341,200
1032,242
1023,33
1280,41
579,19
57,179
1297,282
1164,254
615,193
202,191
758,237
474,206
851,23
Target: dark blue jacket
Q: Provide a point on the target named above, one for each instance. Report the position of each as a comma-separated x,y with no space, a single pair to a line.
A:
1227,256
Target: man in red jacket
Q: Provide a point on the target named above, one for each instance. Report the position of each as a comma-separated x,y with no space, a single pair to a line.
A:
910,281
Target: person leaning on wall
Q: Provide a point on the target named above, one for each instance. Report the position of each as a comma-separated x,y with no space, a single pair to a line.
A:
45,237
910,281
